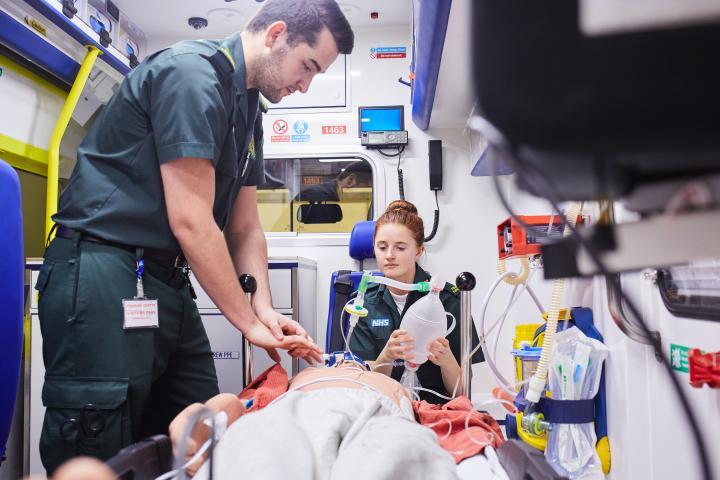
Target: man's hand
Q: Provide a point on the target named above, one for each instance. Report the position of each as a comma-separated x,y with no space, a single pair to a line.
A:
279,323
258,334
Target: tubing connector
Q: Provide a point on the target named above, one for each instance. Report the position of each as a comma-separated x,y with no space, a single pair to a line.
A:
535,389
535,424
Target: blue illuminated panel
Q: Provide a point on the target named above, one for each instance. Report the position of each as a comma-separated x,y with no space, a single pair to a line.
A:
373,119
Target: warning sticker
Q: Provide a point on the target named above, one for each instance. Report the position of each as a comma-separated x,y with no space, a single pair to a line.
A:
388,52
280,127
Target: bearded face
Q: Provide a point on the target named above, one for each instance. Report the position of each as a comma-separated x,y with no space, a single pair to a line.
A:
283,69
269,75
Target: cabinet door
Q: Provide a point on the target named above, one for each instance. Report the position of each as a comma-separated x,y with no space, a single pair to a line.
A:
280,289
226,343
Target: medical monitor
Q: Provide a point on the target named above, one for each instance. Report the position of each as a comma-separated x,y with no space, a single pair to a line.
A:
377,119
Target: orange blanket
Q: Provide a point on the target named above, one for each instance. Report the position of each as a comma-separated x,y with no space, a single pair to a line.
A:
269,385
448,423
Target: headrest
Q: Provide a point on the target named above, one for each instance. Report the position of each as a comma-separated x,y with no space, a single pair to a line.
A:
361,240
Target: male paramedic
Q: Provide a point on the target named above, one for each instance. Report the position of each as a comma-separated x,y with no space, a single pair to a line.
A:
166,177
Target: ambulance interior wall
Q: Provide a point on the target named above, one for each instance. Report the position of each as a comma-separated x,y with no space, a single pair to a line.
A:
649,433
469,207
35,107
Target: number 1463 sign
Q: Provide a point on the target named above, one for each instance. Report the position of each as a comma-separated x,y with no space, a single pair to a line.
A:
334,129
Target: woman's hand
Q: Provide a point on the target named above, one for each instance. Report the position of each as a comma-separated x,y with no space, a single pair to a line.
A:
439,352
397,347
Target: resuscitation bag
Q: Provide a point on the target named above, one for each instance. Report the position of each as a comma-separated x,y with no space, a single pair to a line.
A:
425,321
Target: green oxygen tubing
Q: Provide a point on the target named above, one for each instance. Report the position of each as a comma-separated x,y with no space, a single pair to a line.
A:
356,309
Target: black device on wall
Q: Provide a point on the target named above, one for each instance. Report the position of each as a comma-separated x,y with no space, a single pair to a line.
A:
435,162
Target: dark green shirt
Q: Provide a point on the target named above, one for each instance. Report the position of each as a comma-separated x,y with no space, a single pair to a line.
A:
189,100
373,331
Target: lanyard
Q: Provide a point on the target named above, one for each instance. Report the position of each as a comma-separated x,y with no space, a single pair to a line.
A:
139,270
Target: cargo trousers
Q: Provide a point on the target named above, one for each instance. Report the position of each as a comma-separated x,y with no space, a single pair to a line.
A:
106,386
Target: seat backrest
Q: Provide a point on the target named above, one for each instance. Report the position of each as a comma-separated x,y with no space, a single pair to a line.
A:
344,282
11,296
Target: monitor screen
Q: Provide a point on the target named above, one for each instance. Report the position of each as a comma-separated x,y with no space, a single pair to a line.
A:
373,119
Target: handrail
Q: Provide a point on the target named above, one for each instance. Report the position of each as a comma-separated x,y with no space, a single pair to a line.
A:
466,283
249,286
58,132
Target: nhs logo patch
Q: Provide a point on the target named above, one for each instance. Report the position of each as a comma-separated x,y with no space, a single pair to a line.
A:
380,322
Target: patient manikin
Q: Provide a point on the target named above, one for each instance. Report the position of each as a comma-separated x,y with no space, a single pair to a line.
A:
334,422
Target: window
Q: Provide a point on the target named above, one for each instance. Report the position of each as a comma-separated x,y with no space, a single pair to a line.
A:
315,195
692,290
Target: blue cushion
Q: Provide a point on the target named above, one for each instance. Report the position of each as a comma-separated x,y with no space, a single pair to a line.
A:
361,240
11,296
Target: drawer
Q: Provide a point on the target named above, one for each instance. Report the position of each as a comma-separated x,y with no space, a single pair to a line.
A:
280,289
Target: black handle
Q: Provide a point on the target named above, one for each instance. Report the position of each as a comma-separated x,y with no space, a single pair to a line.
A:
465,281
69,9
248,283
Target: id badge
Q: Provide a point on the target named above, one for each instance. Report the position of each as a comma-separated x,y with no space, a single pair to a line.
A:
140,313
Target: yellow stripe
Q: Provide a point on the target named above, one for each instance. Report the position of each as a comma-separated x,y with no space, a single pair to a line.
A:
229,57
27,330
23,156
10,65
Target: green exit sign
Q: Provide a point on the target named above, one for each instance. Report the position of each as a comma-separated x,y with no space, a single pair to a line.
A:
679,358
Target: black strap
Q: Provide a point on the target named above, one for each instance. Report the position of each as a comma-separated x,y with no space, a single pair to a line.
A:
342,286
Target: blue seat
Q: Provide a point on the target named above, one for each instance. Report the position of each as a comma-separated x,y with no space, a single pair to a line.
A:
344,282
11,296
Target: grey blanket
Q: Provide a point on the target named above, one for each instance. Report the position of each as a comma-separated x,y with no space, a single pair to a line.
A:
330,434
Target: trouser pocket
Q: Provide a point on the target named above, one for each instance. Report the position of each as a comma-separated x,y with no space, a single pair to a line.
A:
84,416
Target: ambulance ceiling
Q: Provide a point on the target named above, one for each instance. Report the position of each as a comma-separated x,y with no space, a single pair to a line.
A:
167,20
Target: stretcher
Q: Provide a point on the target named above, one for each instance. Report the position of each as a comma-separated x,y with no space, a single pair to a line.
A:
514,460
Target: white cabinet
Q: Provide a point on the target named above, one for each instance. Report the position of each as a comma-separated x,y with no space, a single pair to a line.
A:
292,285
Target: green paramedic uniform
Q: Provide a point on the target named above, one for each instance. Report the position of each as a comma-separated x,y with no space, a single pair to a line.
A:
373,331
105,386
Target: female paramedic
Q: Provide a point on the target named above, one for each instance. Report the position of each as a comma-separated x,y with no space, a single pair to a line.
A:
398,245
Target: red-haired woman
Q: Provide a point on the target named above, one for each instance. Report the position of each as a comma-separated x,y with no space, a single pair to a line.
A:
377,338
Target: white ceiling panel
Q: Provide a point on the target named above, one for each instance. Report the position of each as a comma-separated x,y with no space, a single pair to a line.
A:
167,20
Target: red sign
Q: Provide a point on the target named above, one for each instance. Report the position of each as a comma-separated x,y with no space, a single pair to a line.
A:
280,138
390,55
280,127
334,129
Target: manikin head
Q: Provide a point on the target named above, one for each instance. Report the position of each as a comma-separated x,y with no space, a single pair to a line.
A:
398,241
288,42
